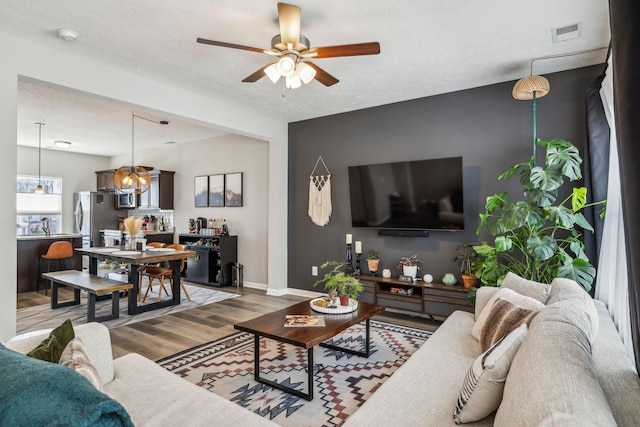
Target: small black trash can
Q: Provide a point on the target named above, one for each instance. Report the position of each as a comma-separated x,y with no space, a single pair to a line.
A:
236,275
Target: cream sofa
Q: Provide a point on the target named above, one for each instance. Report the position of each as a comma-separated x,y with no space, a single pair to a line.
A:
570,370
151,395
558,376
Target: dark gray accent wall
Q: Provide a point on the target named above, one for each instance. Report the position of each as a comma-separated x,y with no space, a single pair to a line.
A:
486,126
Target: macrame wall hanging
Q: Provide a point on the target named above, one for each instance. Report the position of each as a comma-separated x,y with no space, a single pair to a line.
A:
320,195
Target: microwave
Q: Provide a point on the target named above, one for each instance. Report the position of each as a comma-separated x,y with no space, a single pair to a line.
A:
125,200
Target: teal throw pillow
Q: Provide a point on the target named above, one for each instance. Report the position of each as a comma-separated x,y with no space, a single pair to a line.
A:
52,347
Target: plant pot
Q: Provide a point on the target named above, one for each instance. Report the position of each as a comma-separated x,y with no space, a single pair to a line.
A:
373,265
469,280
344,300
410,270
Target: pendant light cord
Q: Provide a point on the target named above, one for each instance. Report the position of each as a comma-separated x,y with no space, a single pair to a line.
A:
39,151
133,115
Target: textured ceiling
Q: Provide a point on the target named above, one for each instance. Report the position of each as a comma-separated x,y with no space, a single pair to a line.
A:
428,47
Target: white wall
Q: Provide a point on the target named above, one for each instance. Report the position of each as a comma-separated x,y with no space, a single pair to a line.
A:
76,171
22,58
225,154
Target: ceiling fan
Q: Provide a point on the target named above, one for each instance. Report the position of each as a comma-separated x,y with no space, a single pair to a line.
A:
294,50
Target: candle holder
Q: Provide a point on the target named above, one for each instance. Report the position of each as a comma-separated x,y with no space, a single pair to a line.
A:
358,272
348,269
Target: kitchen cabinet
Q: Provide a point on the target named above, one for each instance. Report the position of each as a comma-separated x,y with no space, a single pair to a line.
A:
160,193
215,257
104,181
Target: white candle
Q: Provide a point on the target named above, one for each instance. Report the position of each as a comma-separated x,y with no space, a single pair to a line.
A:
349,239
358,247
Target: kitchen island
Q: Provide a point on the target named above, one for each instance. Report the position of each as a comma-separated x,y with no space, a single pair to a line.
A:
31,248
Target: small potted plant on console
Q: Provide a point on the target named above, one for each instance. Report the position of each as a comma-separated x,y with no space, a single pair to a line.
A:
373,261
466,256
409,266
346,286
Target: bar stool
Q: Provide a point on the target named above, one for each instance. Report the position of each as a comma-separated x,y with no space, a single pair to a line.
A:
58,251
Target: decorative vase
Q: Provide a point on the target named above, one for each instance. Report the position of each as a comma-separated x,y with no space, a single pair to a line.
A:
449,279
344,300
410,270
386,273
469,280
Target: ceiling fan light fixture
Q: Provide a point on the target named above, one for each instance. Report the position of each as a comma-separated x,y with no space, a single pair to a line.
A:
306,72
286,66
272,72
293,82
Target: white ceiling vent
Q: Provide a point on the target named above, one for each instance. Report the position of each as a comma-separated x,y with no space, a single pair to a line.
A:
568,32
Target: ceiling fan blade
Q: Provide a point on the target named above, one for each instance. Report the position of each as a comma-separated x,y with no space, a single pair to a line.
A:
371,48
289,18
322,76
230,45
257,75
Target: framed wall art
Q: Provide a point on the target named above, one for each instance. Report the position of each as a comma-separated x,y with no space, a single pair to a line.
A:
233,189
201,191
216,190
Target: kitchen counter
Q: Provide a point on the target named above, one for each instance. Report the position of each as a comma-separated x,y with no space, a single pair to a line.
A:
59,236
30,248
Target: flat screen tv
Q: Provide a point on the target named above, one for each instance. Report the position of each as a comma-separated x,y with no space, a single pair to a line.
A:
411,195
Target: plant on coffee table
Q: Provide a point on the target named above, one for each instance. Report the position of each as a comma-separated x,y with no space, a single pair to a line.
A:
346,286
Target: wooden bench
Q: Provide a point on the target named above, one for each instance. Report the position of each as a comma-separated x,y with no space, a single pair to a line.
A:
94,285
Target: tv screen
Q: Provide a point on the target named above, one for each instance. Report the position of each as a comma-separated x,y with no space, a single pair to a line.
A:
413,195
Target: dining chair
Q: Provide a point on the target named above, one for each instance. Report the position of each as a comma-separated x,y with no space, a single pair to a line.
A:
158,272
142,268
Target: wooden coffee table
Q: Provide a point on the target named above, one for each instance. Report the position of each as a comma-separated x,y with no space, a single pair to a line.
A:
272,326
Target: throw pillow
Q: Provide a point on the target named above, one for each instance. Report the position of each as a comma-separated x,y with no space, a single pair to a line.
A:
503,318
482,388
75,356
536,290
38,393
506,294
51,348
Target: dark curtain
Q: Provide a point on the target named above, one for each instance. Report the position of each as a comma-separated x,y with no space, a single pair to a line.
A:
596,168
625,39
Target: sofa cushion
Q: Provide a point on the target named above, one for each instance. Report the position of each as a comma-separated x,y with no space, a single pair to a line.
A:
52,347
75,357
536,290
554,363
39,393
483,295
507,294
156,397
503,318
482,388
569,290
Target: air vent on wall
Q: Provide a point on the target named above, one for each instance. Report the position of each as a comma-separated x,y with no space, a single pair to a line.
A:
568,32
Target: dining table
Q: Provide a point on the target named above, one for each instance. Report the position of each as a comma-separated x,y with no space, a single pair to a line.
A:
134,259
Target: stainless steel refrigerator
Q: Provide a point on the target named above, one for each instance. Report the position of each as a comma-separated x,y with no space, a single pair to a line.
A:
93,212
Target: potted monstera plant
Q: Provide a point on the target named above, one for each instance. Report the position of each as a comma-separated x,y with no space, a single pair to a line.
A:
336,281
540,237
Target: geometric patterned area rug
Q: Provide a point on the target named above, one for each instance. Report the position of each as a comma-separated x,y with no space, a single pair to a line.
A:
43,316
342,382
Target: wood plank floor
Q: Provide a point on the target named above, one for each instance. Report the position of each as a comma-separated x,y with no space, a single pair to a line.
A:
172,333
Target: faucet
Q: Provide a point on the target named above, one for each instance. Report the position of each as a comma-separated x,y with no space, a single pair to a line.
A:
45,226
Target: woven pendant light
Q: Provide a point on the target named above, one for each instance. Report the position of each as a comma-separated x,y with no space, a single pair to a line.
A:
526,87
132,179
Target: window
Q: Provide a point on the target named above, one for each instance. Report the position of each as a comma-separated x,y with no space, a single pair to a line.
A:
32,208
